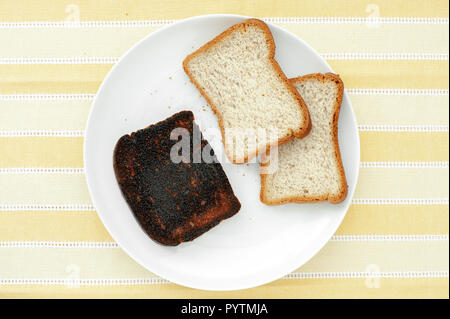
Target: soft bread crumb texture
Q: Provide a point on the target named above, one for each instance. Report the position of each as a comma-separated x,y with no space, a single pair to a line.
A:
310,169
237,76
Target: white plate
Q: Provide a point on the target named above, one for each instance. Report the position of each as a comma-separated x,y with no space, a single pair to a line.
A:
260,243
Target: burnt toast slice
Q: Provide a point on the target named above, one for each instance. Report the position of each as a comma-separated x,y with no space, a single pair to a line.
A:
174,201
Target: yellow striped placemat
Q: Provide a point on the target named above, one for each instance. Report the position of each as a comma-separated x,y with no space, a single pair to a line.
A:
393,58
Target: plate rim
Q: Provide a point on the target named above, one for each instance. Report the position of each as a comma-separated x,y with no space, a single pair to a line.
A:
319,244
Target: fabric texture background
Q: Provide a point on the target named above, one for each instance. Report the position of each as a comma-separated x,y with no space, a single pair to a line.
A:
393,58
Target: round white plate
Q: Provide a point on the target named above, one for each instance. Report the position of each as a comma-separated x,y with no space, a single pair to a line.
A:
260,243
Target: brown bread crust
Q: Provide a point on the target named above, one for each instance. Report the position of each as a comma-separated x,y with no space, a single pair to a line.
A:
337,154
303,129
173,202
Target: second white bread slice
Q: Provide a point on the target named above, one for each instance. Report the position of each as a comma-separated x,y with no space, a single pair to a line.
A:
237,74
310,169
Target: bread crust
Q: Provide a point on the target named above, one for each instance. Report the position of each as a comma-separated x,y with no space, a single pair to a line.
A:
332,198
303,129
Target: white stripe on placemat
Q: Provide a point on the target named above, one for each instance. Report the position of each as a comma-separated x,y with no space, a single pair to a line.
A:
278,20
351,91
382,91
56,60
353,238
80,170
157,280
356,201
45,207
42,170
83,282
385,56
88,24
350,275
46,97
361,128
358,20
327,56
58,244
403,128
41,133
400,201
109,245
404,165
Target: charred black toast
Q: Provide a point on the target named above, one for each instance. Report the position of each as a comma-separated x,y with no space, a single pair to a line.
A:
173,202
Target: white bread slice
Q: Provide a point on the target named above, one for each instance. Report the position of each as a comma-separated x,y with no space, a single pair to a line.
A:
237,74
310,169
